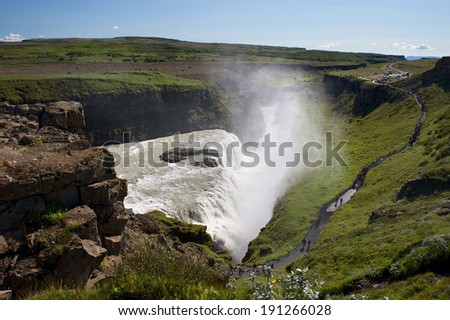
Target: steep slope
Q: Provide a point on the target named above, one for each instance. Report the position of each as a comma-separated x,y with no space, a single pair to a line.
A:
384,129
380,244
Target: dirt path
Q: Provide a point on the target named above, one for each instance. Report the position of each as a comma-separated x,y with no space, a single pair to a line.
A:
341,199
391,67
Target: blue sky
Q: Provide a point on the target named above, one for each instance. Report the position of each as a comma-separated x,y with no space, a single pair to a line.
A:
397,27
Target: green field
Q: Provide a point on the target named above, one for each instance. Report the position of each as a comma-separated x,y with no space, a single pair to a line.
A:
50,87
49,69
135,49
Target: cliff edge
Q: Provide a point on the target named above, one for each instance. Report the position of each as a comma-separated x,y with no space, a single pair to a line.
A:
61,204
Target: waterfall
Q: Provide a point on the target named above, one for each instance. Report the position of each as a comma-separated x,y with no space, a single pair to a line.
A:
232,200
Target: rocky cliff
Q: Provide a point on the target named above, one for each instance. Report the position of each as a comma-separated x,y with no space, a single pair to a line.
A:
62,219
61,204
439,75
365,96
152,114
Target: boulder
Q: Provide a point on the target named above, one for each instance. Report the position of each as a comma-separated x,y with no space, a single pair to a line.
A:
25,276
42,238
114,219
78,260
104,193
92,168
83,221
181,153
171,157
36,109
5,295
104,213
109,270
213,152
113,244
211,162
65,115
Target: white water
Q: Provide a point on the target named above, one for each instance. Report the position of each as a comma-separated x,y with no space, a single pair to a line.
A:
234,202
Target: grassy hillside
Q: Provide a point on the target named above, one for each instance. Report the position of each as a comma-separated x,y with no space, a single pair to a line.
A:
405,253
50,87
382,131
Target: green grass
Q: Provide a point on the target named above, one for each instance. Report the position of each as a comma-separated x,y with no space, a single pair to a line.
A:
150,274
434,137
134,49
424,286
45,88
386,129
416,66
55,214
185,232
363,72
350,250
295,213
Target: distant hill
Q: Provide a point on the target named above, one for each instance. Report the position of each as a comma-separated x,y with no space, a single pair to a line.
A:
412,58
139,49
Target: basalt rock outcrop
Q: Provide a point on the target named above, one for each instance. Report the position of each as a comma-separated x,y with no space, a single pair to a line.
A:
60,200
423,186
151,114
205,157
58,122
365,97
439,75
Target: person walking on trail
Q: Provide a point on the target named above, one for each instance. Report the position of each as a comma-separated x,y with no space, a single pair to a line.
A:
254,266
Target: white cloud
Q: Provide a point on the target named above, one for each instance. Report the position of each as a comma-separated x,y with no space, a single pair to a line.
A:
424,47
40,36
12,37
329,45
373,43
404,45
116,27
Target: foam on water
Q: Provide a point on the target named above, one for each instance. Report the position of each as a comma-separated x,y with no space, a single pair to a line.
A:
234,202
